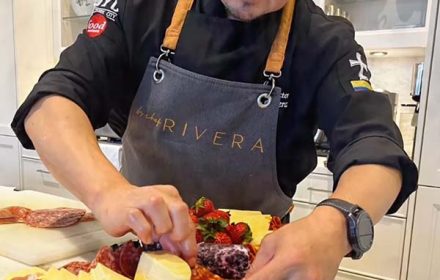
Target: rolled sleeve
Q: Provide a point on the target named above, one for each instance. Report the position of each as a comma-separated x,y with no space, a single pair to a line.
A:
378,150
359,122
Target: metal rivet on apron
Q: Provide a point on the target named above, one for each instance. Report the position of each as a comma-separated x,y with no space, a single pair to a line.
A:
158,76
264,100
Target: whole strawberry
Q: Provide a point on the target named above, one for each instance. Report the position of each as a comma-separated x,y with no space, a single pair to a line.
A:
218,215
240,233
222,238
193,216
203,206
199,236
275,223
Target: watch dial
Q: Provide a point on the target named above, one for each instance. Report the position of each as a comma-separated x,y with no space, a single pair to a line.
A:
365,231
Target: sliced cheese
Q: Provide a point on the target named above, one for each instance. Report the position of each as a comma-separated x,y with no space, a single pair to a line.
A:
84,276
161,266
26,272
59,274
101,272
258,223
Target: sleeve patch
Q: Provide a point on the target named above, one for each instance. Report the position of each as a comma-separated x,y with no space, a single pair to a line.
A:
361,85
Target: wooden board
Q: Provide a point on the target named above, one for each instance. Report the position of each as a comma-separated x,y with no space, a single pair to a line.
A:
34,246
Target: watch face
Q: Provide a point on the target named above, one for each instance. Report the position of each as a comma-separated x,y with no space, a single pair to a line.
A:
365,231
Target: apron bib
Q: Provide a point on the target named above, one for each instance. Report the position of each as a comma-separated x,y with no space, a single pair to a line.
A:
206,136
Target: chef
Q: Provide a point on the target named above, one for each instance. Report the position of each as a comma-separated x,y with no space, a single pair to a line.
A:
222,99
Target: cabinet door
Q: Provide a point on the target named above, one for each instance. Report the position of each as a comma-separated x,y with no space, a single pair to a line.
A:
8,100
425,246
430,159
9,162
387,248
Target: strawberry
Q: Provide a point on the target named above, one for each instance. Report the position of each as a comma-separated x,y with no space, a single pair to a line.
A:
203,206
252,252
193,216
199,236
275,223
222,238
218,215
240,233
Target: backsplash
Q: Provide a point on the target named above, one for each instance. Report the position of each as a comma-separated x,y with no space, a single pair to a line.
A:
395,74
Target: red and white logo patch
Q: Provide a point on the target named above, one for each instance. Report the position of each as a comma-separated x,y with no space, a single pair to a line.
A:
97,25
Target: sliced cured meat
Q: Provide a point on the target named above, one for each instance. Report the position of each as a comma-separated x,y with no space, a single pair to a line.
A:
54,218
76,267
202,273
227,261
88,217
129,258
13,214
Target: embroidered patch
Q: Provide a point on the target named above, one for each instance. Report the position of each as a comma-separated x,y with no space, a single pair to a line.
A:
109,8
361,85
363,72
97,25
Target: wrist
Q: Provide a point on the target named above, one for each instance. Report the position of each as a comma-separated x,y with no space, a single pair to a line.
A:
334,225
100,196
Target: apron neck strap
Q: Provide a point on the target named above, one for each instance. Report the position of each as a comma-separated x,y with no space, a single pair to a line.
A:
277,54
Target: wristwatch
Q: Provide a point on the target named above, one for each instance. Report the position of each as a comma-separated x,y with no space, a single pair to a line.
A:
360,228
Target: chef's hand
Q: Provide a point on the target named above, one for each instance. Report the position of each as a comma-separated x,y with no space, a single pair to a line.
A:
308,249
153,213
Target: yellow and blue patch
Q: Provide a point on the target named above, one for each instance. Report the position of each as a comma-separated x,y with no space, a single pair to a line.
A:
361,85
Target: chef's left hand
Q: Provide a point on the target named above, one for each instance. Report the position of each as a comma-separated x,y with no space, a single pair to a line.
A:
308,249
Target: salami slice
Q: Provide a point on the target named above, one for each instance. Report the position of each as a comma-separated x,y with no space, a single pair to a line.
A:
129,258
107,257
54,218
76,267
13,214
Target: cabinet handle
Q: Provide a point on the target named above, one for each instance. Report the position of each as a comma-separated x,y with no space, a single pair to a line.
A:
7,146
318,190
43,171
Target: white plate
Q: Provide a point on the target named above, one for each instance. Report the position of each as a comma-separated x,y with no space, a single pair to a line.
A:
82,7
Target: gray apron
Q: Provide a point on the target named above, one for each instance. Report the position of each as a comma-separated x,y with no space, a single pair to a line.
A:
206,136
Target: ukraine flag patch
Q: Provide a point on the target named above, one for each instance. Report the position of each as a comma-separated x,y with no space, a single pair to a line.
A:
361,85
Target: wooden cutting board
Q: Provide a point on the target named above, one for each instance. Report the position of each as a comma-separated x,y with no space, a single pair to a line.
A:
34,246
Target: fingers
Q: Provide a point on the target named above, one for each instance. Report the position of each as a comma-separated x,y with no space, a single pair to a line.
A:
264,256
140,225
157,210
271,270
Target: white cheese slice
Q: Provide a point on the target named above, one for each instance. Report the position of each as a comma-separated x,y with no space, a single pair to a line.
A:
26,272
162,265
101,272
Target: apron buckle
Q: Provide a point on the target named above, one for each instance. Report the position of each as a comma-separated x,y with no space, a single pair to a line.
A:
265,99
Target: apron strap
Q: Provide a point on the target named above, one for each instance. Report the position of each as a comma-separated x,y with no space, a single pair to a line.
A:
277,54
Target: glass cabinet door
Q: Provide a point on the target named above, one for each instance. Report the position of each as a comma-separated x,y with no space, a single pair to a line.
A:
74,18
369,15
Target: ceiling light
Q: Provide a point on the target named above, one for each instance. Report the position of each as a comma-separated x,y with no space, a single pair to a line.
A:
379,53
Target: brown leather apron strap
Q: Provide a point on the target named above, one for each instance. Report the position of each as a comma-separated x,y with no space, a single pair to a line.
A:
277,54
173,32
275,61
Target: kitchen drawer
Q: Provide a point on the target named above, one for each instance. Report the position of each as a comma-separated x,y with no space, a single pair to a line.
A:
385,257
36,177
9,162
314,189
342,275
30,154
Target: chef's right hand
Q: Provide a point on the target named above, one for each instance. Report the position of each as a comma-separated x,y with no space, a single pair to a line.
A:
153,213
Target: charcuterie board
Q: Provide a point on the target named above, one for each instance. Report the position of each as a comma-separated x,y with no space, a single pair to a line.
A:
36,246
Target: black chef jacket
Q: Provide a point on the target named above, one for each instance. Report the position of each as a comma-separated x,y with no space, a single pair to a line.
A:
101,74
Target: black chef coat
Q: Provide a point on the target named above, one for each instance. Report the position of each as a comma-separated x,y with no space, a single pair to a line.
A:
101,75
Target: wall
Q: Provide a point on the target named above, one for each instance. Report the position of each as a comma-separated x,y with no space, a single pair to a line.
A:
33,42
395,74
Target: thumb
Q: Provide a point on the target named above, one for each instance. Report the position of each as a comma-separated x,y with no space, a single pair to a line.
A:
264,256
270,270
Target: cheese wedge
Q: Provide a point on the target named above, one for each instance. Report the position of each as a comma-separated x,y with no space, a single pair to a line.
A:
26,272
101,272
258,223
161,266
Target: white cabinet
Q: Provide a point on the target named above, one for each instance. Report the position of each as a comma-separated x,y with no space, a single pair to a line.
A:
9,162
8,99
384,259
70,18
384,24
36,177
425,245
430,158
